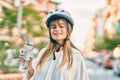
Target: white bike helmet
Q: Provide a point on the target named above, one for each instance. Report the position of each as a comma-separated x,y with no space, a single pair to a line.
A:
59,13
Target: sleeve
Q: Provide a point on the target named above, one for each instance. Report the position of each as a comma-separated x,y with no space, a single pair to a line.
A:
34,63
81,70
26,76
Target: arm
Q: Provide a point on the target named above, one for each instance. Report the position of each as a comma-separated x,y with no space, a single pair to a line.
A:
29,73
80,70
83,71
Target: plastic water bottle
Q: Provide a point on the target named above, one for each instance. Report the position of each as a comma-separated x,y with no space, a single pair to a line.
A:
27,51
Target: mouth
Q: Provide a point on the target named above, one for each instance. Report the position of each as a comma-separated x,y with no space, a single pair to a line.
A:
57,33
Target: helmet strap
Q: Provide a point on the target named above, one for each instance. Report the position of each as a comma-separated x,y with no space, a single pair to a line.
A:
60,45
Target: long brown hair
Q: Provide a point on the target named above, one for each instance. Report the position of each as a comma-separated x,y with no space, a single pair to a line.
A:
67,50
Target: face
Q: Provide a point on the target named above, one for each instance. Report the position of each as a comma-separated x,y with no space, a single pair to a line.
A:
58,30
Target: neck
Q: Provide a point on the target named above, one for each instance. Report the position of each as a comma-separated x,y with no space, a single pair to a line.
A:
59,43
59,48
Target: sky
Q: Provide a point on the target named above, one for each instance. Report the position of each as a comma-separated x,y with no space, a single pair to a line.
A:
82,12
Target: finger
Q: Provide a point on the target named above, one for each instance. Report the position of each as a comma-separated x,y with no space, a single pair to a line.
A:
21,50
21,57
31,58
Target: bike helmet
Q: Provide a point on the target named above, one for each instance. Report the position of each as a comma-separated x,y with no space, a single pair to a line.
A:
59,13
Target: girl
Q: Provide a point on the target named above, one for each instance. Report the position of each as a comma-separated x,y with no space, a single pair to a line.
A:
60,60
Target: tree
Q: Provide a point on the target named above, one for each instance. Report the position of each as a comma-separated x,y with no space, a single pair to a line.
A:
9,18
31,18
107,43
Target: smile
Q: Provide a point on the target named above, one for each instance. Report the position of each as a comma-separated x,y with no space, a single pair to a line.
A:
57,33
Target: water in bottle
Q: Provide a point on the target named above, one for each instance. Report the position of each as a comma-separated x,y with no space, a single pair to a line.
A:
27,51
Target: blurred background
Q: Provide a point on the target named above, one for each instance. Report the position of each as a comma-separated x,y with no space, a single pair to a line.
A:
96,33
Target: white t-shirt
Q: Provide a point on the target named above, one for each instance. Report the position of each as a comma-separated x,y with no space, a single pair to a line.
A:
50,71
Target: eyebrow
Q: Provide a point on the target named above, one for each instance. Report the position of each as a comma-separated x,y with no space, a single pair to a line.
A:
57,23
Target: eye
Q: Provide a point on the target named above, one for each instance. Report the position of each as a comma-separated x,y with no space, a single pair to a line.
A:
62,26
53,27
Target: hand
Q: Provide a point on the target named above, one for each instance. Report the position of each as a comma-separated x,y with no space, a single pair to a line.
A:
21,56
31,70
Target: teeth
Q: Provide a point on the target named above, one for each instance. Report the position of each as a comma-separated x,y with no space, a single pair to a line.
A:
58,32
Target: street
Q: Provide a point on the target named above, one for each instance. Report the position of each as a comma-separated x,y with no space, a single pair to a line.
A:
99,72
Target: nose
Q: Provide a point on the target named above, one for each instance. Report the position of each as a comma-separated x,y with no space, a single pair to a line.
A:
57,28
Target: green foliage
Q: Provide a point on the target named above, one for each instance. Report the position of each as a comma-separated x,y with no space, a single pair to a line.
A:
5,45
9,18
16,53
41,32
42,45
112,43
99,43
107,43
29,11
5,69
3,56
30,18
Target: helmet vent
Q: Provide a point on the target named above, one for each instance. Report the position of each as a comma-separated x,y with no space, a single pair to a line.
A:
62,11
56,10
51,12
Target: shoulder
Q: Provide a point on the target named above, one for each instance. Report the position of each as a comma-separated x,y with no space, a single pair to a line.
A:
78,58
75,51
41,52
77,54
